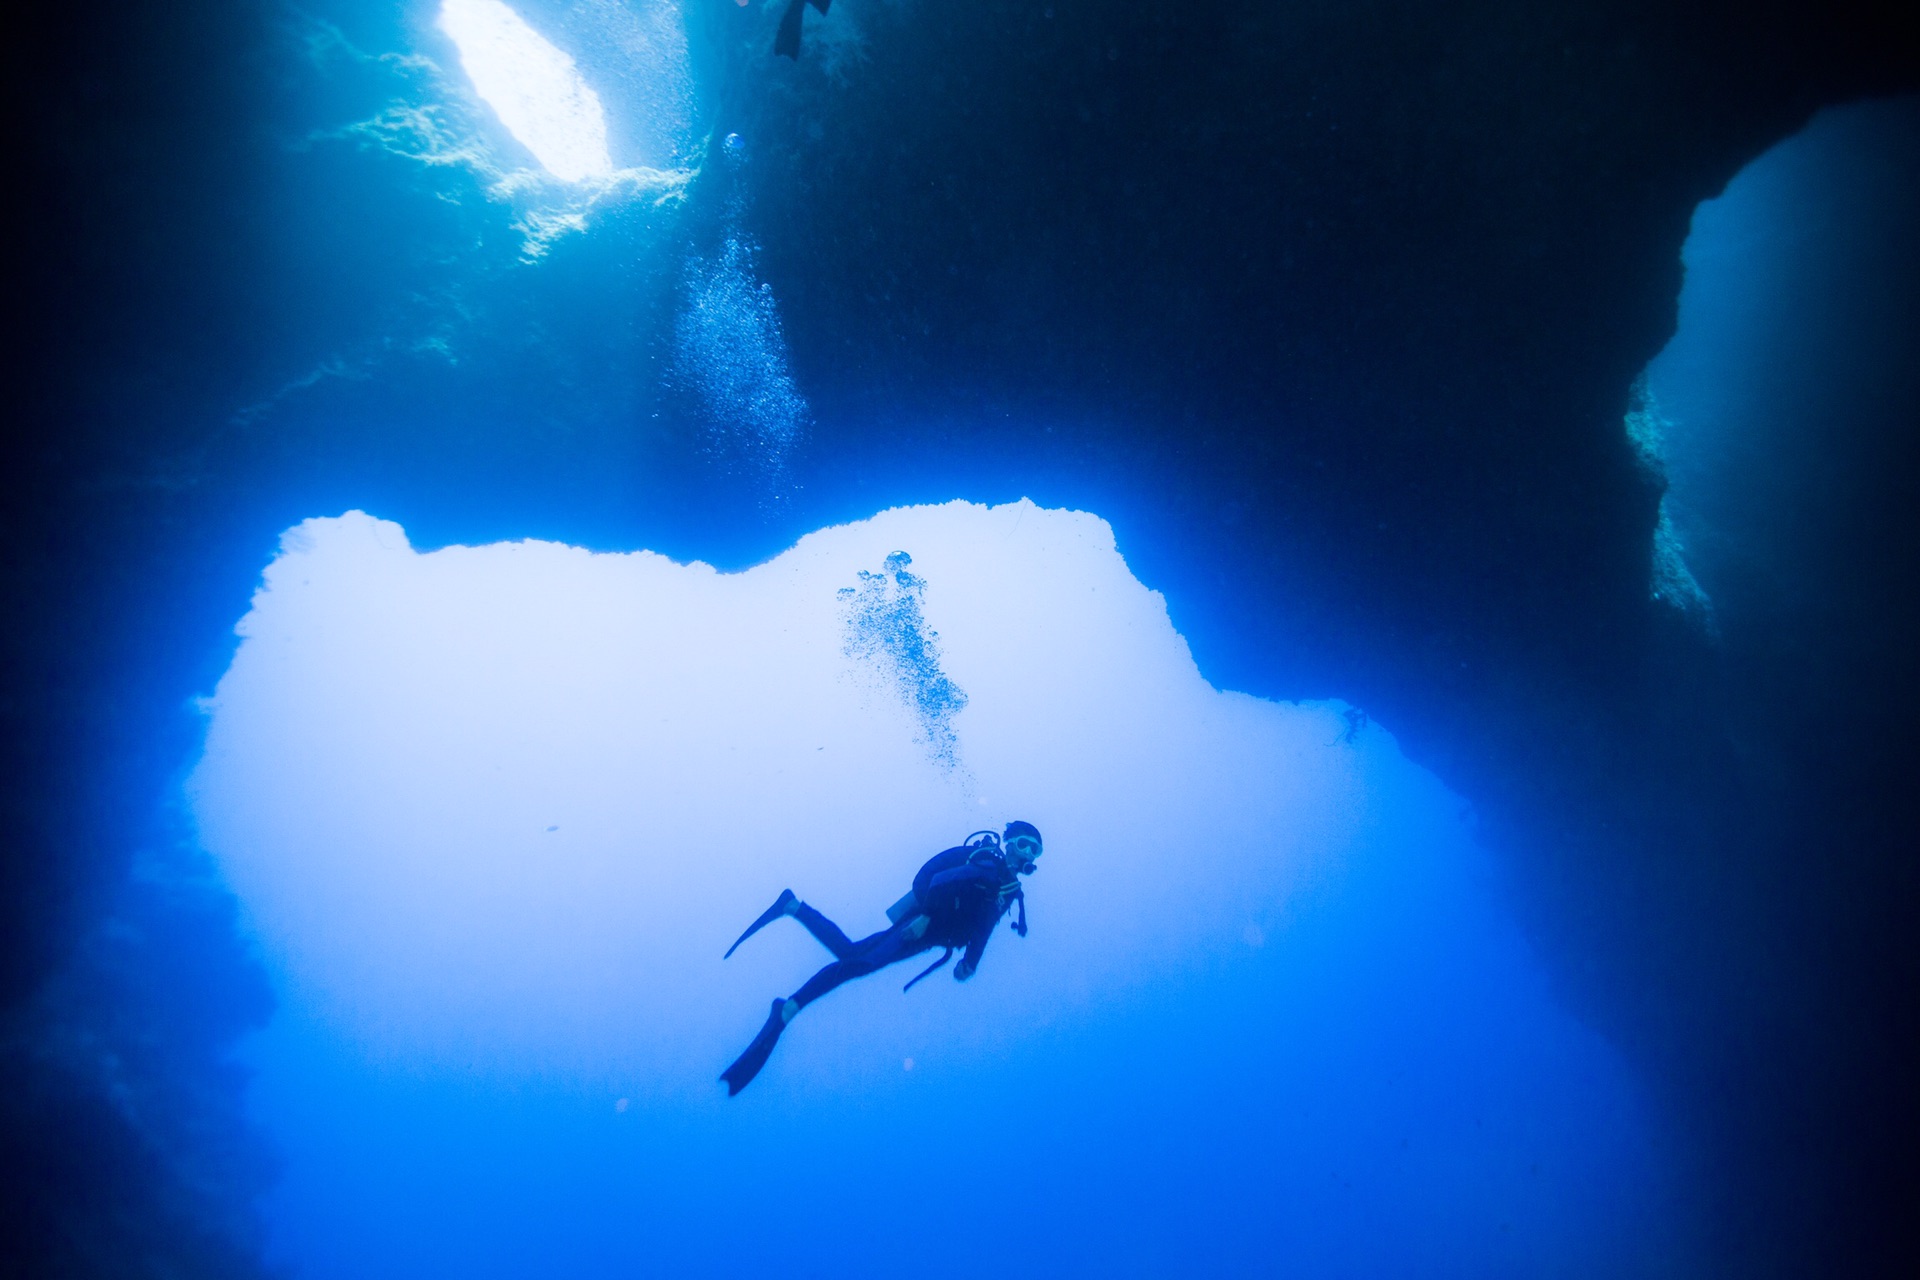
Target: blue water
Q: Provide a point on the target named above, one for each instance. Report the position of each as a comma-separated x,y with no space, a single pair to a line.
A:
492,813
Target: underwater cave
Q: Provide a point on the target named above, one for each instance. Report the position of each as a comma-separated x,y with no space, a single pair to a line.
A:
1416,504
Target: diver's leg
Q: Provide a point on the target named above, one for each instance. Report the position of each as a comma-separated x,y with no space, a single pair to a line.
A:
830,977
875,951
825,930
748,1064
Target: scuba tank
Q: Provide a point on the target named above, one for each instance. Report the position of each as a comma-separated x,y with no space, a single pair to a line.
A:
910,902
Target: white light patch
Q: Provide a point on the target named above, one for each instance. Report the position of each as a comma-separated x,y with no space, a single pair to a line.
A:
494,814
535,88
509,796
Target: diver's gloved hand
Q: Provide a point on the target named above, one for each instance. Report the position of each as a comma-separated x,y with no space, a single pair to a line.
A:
963,970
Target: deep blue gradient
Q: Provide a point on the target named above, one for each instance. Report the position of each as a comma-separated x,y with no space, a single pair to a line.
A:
1573,937
1375,1092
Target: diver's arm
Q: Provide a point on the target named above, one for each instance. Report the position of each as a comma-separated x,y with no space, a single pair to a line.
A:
963,874
938,864
970,959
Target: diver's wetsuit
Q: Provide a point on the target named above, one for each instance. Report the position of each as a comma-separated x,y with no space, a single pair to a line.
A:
959,896
962,894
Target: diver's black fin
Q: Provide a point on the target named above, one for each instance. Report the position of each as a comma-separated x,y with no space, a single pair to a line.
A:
786,41
747,1065
783,905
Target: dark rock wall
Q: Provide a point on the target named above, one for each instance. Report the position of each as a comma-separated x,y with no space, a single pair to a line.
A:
1331,308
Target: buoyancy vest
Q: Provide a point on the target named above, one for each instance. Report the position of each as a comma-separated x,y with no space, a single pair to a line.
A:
953,907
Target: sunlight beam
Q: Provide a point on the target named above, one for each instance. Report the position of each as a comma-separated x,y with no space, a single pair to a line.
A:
535,88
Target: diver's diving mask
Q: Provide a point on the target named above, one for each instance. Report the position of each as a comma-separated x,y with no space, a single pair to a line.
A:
1026,848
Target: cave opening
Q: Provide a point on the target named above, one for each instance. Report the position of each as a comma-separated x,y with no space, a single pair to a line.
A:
1332,327
535,90
491,814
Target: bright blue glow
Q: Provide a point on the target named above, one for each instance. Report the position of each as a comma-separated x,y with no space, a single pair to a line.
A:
534,88
644,109
494,814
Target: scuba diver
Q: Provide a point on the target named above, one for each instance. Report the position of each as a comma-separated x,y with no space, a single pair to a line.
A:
956,900
786,41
